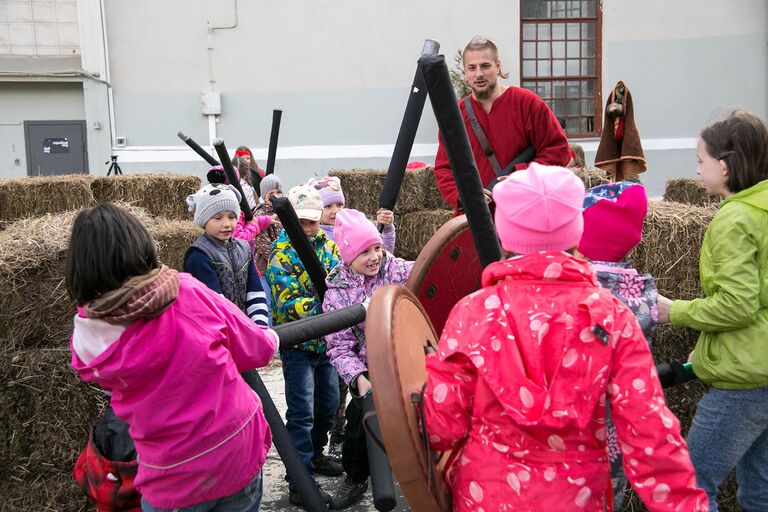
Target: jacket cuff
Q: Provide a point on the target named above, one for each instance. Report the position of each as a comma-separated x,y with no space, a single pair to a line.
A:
678,313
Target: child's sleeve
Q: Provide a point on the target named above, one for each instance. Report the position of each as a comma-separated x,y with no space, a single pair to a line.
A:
388,237
245,230
341,345
252,346
255,297
262,222
451,383
735,280
291,300
655,455
198,264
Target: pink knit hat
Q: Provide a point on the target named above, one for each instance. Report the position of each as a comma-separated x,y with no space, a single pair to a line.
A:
329,188
613,220
354,233
539,209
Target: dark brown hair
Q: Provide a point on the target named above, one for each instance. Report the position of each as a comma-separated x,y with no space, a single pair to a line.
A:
108,246
479,43
741,141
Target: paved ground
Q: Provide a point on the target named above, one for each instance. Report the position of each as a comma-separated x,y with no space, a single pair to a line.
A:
275,487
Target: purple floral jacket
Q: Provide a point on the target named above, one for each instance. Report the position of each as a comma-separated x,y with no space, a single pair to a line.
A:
637,291
347,348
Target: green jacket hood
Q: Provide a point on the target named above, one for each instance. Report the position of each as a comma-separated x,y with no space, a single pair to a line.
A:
756,195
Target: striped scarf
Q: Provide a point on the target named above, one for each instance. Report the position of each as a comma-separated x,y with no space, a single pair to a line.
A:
144,296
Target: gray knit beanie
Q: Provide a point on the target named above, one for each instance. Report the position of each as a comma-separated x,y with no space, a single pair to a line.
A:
212,199
270,182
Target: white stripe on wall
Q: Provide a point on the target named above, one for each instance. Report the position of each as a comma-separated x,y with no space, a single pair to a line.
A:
144,154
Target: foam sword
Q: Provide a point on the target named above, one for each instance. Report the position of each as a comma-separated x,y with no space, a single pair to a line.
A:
408,128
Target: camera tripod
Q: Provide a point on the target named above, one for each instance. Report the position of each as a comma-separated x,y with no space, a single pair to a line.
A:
114,166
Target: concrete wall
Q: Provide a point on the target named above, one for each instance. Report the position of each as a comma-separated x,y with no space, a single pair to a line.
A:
39,28
341,70
687,63
21,102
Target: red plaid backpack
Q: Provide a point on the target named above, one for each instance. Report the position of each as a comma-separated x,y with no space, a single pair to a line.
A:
107,466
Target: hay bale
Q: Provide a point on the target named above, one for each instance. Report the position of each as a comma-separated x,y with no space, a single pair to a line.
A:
160,194
362,188
672,236
173,239
591,176
47,411
32,197
415,229
689,191
35,307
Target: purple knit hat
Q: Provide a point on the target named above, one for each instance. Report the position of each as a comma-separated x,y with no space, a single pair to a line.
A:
329,188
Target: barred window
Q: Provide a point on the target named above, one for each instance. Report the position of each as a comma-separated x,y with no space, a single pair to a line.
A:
560,59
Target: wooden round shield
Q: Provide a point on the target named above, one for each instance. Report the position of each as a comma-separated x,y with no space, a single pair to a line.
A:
446,270
397,334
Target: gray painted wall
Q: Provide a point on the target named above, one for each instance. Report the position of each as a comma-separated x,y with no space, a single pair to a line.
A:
341,70
21,102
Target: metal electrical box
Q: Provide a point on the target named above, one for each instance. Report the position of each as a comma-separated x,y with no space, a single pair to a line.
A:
211,103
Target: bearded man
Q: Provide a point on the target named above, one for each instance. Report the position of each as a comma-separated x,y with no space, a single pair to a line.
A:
511,118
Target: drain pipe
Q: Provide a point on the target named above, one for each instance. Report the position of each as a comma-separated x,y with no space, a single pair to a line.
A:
212,119
107,78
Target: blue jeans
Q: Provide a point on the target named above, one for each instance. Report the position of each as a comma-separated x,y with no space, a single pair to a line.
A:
312,397
247,499
268,292
730,429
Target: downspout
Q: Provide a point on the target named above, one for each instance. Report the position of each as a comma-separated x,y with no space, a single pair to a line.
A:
212,118
107,77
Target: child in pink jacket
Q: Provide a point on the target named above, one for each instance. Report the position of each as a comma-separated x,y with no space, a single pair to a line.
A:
365,267
170,351
526,364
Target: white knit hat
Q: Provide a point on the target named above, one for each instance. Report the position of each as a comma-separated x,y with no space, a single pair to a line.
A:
212,199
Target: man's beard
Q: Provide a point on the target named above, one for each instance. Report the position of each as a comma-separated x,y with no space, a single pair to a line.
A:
484,94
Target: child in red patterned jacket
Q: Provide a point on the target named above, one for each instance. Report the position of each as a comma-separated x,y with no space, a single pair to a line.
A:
525,366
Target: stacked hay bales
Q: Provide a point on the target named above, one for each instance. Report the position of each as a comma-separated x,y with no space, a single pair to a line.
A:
32,197
160,194
35,307
672,237
47,411
591,176
419,211
689,191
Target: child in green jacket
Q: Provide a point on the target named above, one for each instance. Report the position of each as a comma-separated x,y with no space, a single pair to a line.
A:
731,423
